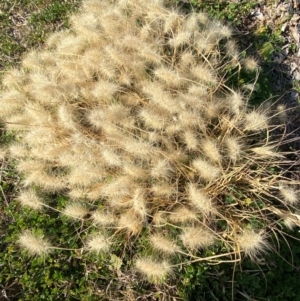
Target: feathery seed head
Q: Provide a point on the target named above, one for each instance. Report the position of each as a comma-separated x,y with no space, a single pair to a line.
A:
236,102
27,165
55,38
139,149
97,118
138,203
191,122
206,171
252,243
224,31
111,158
154,271
18,150
197,238
167,75
163,190
198,90
290,196
131,42
182,214
104,90
75,210
172,20
98,243
130,222
119,187
290,221
17,122
118,114
265,151
211,150
201,17
32,61
199,199
204,75
180,39
13,79
159,218
47,182
35,245
250,64
134,172
121,203
30,198
95,6
213,109
232,50
234,147
107,69
153,119
65,116
282,113
112,22
190,140
103,218
163,244
173,129
187,59
191,22
161,169
150,55
71,44
125,79
78,193
116,55
3,153
160,97
11,101
91,176
255,121
87,25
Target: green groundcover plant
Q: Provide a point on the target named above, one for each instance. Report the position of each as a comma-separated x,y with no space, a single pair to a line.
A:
127,117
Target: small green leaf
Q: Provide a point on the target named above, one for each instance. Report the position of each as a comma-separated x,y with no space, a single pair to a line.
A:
266,50
115,262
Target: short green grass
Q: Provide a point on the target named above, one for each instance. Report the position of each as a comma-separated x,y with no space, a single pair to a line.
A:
70,276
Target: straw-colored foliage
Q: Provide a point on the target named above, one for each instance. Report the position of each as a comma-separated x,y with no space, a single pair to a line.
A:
128,115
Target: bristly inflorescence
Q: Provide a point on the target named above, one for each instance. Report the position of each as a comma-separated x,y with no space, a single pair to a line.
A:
128,114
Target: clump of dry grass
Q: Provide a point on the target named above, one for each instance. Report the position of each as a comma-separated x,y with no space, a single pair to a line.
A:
129,109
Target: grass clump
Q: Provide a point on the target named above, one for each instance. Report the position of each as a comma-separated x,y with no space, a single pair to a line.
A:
128,115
